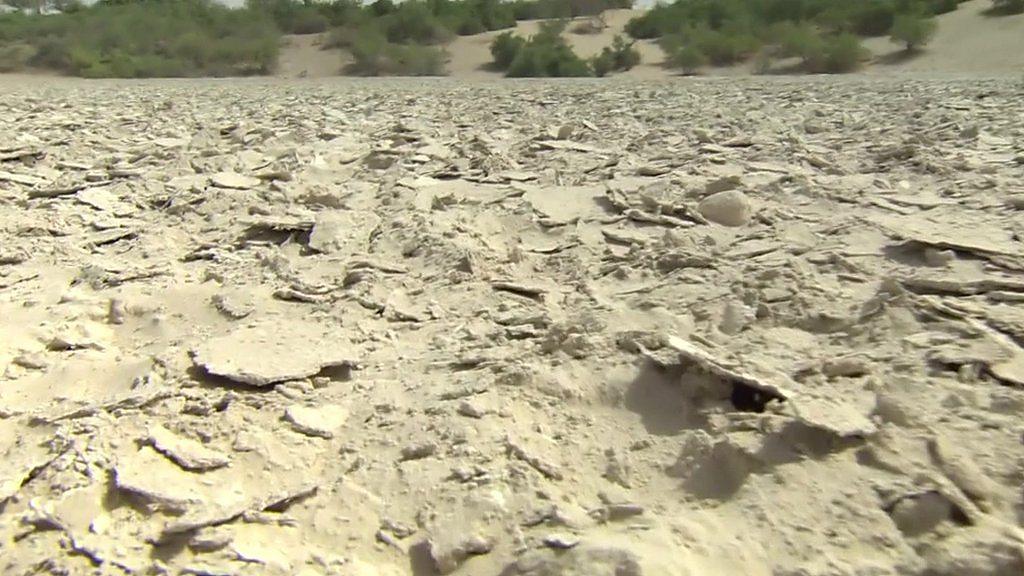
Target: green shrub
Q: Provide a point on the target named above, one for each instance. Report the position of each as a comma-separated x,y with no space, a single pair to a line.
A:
626,56
546,54
843,53
470,26
913,31
602,64
943,6
688,59
290,16
1007,6
654,23
382,7
374,56
341,37
722,48
412,22
504,49
618,57
309,22
799,40
144,39
15,57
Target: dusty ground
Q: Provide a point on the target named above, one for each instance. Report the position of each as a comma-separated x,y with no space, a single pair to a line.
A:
741,327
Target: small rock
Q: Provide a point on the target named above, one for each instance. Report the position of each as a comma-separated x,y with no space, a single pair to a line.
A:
735,317
342,230
185,452
31,361
846,366
322,421
210,539
451,550
1016,202
268,354
79,336
234,304
469,409
419,451
617,469
561,541
938,258
618,512
729,208
722,185
915,515
116,311
652,170
233,180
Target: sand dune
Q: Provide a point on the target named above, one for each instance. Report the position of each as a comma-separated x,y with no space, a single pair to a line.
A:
967,42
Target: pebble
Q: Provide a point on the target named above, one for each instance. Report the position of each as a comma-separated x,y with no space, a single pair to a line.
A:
730,208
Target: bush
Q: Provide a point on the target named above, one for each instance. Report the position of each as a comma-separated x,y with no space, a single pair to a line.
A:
913,31
412,22
651,24
799,40
291,16
375,56
504,49
843,53
618,57
341,37
688,59
14,57
602,64
470,26
145,39
624,55
1008,6
943,6
546,54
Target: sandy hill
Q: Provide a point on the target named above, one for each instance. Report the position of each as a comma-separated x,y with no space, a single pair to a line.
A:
968,41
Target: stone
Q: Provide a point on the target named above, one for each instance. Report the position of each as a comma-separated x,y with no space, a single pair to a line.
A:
938,258
342,231
233,180
320,421
730,208
451,549
846,367
263,355
419,451
185,452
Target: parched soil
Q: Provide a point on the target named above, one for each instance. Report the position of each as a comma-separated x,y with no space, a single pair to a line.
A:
728,327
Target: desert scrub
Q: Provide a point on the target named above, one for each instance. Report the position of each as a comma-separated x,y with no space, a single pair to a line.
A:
504,48
843,53
545,54
729,31
618,57
913,31
374,55
148,39
1002,7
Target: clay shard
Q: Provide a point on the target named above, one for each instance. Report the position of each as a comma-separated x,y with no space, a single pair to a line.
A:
185,452
265,355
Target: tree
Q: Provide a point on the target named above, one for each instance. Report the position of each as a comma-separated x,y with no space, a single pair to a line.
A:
913,30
